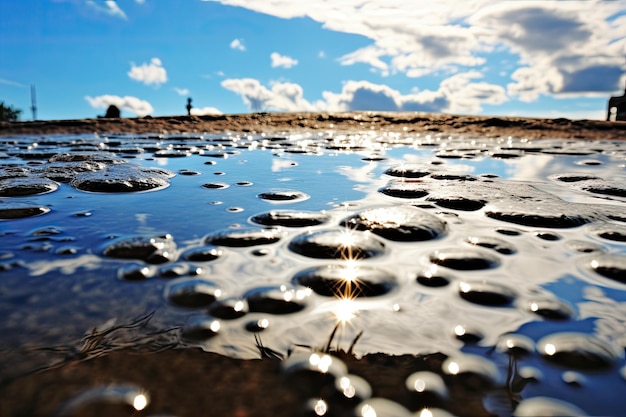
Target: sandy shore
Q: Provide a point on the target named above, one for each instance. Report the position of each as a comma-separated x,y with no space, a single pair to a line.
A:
341,122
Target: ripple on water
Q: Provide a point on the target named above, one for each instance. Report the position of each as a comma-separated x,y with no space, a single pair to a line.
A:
19,187
291,218
245,237
337,244
578,351
464,259
151,249
401,223
192,293
122,179
346,281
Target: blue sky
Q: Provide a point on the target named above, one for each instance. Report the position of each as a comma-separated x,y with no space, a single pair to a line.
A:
526,58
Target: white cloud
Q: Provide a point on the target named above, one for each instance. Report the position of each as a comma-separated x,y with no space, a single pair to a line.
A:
149,74
564,47
283,61
126,103
181,91
457,94
238,45
109,7
11,83
204,111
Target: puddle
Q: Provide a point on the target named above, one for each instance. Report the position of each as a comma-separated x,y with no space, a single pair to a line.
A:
506,257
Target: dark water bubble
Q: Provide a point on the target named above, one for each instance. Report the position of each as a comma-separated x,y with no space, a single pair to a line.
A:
256,326
172,153
550,308
464,260
192,293
291,218
235,209
135,271
66,171
215,185
284,196
614,232
538,218
545,406
310,372
400,223
210,163
408,171
214,154
610,266
46,231
129,150
458,203
18,187
574,177
381,407
121,179
261,252
11,172
188,172
277,300
505,155
245,237
578,351
229,308
574,379
346,281
582,246
453,177
404,189
244,183
434,278
82,214
66,250
203,254
337,244
198,329
549,236
179,269
487,293
467,334
109,400
509,232
499,245
589,162
604,188
474,371
151,249
426,388
515,344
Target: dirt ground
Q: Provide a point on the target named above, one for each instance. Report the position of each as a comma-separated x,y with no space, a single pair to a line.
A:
423,123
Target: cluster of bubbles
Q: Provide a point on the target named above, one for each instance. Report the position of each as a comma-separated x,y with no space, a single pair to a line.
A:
433,245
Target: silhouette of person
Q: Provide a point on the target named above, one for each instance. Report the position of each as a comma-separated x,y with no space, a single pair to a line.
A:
112,112
189,106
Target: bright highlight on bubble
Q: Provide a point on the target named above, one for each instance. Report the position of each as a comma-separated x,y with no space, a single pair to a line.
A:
140,402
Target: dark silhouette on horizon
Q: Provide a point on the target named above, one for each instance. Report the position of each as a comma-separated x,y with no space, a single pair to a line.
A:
189,106
617,107
113,112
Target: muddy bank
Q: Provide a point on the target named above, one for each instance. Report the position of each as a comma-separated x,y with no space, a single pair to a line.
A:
342,122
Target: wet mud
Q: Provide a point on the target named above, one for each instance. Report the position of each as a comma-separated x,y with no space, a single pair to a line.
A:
371,273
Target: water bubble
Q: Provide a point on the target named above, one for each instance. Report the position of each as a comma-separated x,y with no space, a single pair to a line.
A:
550,308
203,254
151,249
538,217
171,153
192,293
346,281
381,407
574,177
402,223
551,237
113,399
235,209
198,329
277,196
453,177
215,185
573,379
578,351
545,406
434,278
179,269
509,232
337,244
475,371
353,388
486,293
245,237
122,179
291,218
515,344
404,189
408,171
310,372
18,187
12,211
467,334
604,188
426,388
499,245
613,232
135,271
277,300
244,183
610,266
229,308
582,246
188,172
256,326
458,203
464,260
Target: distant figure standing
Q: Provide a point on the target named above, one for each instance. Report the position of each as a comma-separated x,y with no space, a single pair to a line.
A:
189,106
617,108
112,112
